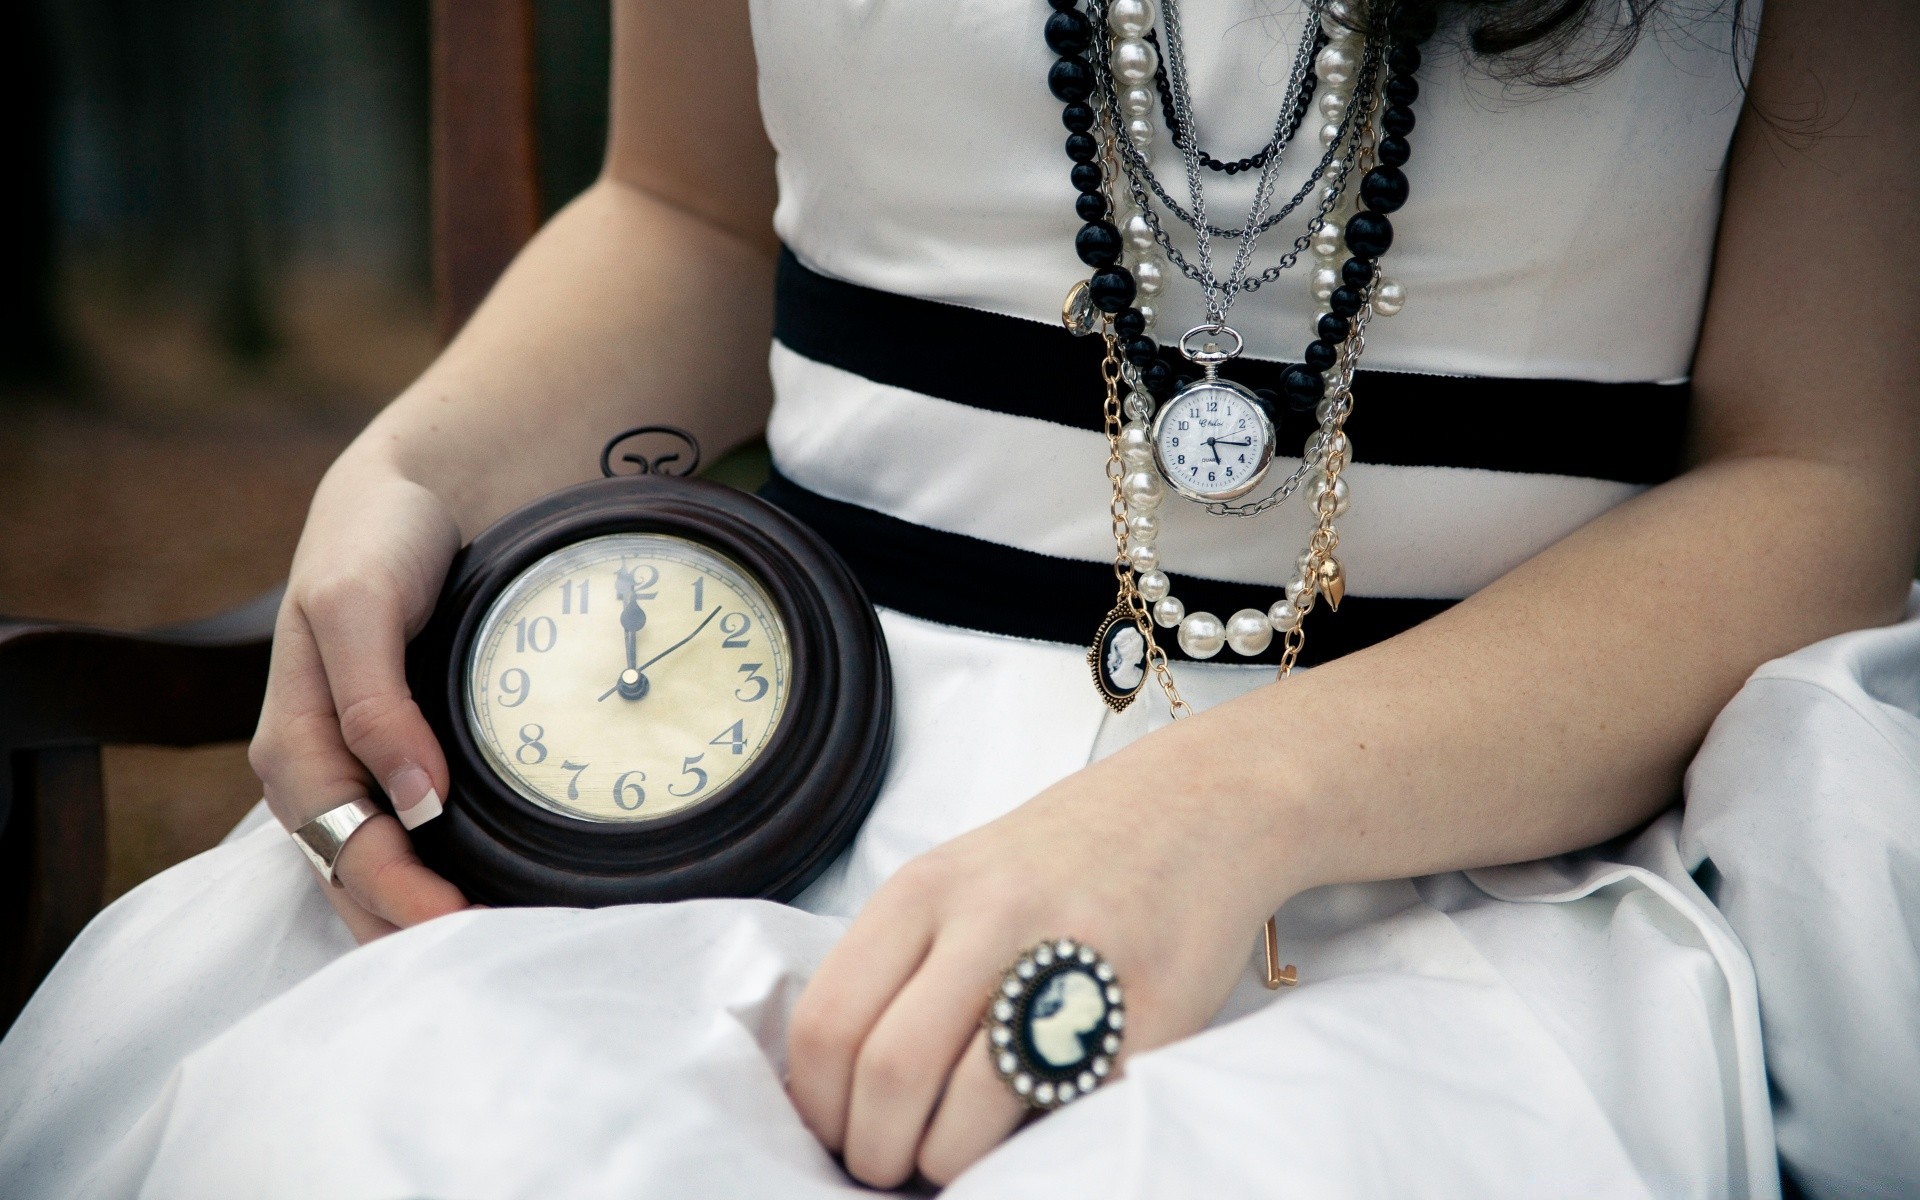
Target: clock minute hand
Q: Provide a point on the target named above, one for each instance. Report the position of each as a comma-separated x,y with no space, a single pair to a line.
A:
683,641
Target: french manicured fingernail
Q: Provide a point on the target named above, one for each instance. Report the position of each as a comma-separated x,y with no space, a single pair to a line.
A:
414,800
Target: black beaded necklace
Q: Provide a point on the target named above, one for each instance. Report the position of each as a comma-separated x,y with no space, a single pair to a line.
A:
1256,160
1368,234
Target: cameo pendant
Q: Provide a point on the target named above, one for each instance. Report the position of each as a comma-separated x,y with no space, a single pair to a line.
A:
1118,659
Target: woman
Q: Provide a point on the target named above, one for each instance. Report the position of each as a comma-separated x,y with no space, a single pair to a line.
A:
1580,1025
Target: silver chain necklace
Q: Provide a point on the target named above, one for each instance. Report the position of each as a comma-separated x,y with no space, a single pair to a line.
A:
1219,295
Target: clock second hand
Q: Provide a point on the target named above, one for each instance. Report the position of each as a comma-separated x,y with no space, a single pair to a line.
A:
669,650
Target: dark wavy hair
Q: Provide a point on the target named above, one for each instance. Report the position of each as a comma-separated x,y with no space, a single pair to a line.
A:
1548,43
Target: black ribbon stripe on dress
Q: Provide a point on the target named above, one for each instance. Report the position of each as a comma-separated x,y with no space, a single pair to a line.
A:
959,580
1626,432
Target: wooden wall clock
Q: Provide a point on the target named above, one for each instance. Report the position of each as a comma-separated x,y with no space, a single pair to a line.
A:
650,687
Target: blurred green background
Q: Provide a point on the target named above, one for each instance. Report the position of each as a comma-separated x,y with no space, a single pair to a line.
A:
213,270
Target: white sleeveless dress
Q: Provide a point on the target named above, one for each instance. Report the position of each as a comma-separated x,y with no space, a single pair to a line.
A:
1587,1026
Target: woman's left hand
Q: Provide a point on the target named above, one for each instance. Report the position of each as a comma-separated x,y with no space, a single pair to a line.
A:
1144,856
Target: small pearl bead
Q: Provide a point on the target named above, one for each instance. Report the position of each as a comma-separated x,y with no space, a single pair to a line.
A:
1248,632
1137,102
1202,635
1283,616
1169,612
1134,436
1134,62
1139,233
1140,132
1325,280
1138,405
1334,65
1147,313
1143,491
1326,240
1143,528
1340,14
1333,106
1330,133
1143,558
1339,490
1150,276
1303,562
1323,412
1389,297
1136,460
1298,587
1130,18
1154,586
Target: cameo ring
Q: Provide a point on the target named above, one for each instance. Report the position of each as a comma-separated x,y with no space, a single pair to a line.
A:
322,838
1054,1023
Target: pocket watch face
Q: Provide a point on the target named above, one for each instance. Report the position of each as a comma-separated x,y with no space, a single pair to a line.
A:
1213,440
627,677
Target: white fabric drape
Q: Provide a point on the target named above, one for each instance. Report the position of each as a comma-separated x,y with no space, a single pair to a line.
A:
1584,1027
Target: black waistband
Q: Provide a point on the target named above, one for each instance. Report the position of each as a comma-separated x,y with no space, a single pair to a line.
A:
1628,432
961,580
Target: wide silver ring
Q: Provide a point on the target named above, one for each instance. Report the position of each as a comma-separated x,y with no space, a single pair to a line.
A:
1055,1022
322,838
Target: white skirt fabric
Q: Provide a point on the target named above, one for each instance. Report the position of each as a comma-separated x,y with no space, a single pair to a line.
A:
1586,1026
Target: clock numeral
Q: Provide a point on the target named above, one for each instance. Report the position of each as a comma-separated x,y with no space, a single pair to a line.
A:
735,626
537,635
687,768
752,672
733,736
566,596
517,690
699,593
530,736
578,769
1213,406
628,582
623,790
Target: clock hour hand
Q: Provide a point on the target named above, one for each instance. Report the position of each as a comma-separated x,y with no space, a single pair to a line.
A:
632,683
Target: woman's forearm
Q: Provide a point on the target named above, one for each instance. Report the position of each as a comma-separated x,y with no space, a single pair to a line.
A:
624,309
1557,707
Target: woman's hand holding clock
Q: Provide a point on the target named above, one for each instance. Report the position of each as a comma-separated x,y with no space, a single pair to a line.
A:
339,717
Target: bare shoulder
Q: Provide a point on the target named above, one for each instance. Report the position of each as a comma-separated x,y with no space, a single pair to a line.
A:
686,121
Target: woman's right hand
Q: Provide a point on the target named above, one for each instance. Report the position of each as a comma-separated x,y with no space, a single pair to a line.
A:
338,713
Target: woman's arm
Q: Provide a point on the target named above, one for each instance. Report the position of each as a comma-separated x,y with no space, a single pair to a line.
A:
1554,709
648,299
650,296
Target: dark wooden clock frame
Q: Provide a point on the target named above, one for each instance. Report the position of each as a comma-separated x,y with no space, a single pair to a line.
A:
769,831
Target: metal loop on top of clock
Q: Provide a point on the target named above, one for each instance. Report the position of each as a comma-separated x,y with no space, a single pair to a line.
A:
1211,355
659,464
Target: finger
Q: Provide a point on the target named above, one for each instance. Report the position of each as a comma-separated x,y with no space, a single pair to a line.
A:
977,1113
363,925
360,632
905,1061
305,768
844,999
379,870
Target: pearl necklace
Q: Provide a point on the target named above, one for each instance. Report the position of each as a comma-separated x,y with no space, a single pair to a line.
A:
1351,291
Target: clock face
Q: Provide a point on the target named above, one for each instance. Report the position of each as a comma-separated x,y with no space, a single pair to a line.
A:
627,677
1213,440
